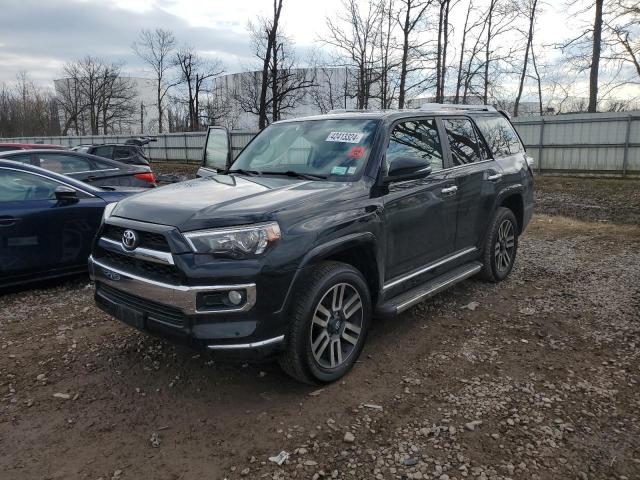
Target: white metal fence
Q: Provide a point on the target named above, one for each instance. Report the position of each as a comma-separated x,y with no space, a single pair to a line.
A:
595,143
598,143
170,147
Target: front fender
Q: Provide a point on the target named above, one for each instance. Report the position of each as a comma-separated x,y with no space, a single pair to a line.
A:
361,240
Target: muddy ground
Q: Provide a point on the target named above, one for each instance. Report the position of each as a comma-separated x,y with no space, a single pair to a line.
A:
536,377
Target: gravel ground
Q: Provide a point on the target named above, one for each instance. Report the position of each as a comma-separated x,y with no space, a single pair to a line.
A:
536,378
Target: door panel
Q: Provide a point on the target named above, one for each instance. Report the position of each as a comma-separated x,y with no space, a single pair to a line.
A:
418,213
419,220
475,175
38,234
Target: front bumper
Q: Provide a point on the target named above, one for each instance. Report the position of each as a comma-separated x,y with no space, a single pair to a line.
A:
172,312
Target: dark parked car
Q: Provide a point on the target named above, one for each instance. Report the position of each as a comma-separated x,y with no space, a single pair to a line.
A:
131,153
47,222
6,147
319,224
86,168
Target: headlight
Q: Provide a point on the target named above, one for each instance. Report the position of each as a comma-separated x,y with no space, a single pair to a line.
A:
107,210
236,242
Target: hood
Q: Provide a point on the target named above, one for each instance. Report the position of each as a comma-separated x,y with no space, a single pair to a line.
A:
223,200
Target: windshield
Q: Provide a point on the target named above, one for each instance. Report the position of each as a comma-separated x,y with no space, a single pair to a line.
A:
338,149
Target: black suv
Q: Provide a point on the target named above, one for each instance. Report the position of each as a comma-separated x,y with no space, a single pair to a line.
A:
320,224
129,152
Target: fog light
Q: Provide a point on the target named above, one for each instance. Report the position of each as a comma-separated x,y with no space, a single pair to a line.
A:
235,297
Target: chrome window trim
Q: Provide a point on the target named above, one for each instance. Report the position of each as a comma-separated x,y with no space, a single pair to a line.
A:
141,253
180,296
438,263
48,178
466,165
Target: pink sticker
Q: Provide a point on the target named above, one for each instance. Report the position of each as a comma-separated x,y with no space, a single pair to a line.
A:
356,152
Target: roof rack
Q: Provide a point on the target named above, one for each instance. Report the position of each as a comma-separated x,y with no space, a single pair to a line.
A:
458,106
347,110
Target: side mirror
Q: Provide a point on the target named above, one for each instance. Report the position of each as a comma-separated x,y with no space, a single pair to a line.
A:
66,194
407,168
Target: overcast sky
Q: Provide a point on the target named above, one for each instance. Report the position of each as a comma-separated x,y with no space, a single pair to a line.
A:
39,36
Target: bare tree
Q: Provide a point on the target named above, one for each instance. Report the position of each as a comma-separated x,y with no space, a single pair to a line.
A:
528,8
288,84
595,57
443,41
331,89
156,49
264,38
27,110
94,92
353,34
195,73
411,20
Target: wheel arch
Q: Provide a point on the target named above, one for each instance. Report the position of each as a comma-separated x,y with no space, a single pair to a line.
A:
512,198
358,250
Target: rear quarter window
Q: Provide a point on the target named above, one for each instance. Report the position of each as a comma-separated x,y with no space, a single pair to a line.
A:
500,135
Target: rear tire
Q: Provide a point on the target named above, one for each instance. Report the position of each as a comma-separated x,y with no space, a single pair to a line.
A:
329,321
500,246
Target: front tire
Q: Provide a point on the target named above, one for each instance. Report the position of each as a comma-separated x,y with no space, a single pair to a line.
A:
330,318
500,246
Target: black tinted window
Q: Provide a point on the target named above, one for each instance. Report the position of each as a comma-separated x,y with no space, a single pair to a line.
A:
463,141
416,139
106,151
500,135
123,152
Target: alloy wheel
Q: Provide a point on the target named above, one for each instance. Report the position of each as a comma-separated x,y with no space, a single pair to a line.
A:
336,325
505,245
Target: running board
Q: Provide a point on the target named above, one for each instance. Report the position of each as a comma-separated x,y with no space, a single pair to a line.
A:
408,299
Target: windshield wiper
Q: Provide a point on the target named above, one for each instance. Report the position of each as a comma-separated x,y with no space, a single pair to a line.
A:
242,171
291,173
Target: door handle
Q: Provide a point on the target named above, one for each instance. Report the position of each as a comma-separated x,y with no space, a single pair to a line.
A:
495,177
449,190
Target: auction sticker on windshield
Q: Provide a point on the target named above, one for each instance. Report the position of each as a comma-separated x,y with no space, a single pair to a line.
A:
345,137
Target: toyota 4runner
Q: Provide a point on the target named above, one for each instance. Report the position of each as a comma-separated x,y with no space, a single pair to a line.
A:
319,225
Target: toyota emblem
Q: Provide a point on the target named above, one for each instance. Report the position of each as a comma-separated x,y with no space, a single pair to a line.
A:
129,239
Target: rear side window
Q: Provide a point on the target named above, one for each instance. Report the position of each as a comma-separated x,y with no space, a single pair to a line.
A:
416,138
106,152
500,135
463,141
61,163
123,152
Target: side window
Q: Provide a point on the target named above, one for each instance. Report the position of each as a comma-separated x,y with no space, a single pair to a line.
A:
500,135
105,151
122,152
416,138
61,163
463,141
21,157
18,186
